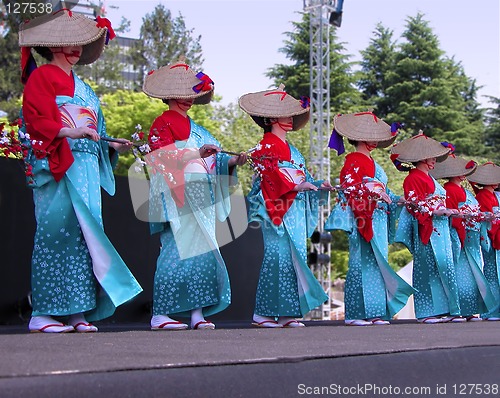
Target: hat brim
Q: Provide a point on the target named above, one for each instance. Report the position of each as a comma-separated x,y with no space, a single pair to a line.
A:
418,148
452,167
175,81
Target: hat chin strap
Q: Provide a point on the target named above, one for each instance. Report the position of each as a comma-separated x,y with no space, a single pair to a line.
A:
282,126
73,53
429,166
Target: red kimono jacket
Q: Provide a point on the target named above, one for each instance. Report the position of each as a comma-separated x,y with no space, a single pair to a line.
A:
42,117
356,167
421,185
487,200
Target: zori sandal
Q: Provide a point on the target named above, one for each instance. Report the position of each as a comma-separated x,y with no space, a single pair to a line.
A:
203,325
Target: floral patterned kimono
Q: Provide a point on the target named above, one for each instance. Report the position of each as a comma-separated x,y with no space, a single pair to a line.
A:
75,268
185,201
473,289
287,286
490,245
372,287
428,239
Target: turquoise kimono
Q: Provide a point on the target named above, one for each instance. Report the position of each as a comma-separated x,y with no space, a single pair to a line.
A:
434,277
190,271
474,291
287,287
491,267
372,288
75,267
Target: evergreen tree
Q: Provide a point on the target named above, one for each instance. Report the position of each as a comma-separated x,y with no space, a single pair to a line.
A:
492,133
377,61
296,78
431,92
163,40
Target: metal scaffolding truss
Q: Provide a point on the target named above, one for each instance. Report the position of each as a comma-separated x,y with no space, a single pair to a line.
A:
319,157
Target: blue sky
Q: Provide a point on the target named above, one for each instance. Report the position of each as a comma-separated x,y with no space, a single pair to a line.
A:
241,38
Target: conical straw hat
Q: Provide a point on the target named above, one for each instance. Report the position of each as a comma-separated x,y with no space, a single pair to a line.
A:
453,166
178,81
62,29
364,126
486,174
275,103
419,147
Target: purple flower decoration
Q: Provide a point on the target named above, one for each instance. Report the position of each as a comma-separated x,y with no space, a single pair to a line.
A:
305,102
448,145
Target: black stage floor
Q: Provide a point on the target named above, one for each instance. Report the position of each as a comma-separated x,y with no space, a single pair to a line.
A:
326,358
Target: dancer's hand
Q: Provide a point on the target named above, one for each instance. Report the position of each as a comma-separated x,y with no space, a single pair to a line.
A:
305,186
238,160
208,149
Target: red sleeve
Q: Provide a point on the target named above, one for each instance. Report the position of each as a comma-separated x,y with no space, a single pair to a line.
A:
43,119
419,185
166,158
455,194
487,200
356,167
277,190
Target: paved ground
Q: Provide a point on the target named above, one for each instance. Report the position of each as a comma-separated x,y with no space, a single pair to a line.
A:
325,358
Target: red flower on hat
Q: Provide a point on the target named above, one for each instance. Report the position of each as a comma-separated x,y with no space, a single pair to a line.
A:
470,164
106,23
206,83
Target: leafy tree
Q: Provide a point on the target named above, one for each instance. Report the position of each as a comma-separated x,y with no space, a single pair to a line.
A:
430,92
492,133
107,70
295,77
10,56
163,40
377,60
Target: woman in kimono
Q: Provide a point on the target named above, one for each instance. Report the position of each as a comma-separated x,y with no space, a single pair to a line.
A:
473,289
190,180
76,272
284,200
424,229
485,180
367,210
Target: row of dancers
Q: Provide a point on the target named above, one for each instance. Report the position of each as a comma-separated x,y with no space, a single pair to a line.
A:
78,277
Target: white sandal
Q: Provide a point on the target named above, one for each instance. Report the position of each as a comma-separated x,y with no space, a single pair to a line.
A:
46,324
357,322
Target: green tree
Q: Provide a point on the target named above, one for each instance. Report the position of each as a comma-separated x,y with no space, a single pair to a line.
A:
163,39
295,77
377,60
107,70
492,133
10,55
431,92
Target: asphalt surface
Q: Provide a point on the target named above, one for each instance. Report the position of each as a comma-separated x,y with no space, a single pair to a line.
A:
404,359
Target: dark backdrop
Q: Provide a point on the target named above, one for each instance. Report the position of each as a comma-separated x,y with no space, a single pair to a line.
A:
132,240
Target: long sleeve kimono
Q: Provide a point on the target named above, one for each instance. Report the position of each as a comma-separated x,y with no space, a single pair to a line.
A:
287,286
490,246
75,268
428,238
473,289
372,288
186,199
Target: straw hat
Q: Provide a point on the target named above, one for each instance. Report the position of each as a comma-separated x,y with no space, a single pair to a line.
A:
453,166
486,174
179,81
364,126
275,103
419,147
65,28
